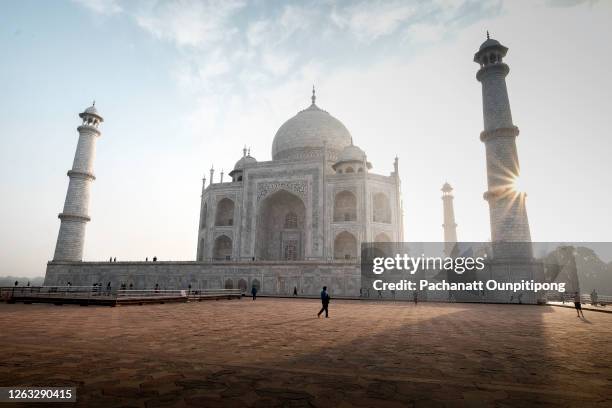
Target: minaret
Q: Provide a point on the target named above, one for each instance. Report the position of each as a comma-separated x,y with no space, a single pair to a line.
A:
450,227
399,203
74,217
508,214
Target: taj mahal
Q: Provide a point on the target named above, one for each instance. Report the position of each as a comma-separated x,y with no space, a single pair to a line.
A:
299,219
316,200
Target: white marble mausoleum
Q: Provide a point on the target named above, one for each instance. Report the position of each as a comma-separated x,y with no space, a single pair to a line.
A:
317,199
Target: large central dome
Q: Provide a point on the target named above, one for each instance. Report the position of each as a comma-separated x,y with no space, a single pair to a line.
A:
305,134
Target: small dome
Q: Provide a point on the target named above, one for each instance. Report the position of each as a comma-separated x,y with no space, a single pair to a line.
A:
447,188
352,153
244,161
92,109
489,43
308,131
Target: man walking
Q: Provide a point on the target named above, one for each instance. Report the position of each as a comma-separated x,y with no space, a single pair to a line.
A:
325,302
254,292
577,305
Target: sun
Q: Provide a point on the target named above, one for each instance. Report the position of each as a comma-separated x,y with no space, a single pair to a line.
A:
517,184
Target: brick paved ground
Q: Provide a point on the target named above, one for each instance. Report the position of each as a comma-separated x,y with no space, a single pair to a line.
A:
275,352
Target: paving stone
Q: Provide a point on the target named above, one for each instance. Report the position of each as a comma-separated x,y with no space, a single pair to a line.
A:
275,353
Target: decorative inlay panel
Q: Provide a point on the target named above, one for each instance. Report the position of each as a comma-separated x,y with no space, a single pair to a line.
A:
299,187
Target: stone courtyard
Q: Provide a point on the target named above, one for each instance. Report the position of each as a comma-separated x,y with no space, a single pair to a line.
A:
275,352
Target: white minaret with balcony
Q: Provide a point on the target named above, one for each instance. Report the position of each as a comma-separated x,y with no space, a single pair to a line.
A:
449,226
74,217
507,210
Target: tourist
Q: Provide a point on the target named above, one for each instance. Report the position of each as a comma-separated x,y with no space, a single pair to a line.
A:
254,292
154,259
295,291
415,297
594,297
16,283
325,302
577,305
115,259
147,259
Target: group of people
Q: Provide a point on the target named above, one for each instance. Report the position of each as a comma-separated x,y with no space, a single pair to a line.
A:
111,259
97,288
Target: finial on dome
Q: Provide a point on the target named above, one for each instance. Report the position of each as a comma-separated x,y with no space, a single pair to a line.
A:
313,97
488,37
244,151
94,103
249,152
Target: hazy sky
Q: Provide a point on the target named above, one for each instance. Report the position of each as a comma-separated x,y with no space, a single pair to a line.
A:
186,84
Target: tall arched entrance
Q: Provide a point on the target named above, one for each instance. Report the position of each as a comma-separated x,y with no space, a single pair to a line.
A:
281,219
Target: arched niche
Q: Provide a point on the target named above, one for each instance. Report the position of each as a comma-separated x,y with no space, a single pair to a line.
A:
223,248
281,219
345,207
225,213
345,246
381,208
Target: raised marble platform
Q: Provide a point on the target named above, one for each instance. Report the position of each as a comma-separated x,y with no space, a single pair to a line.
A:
272,278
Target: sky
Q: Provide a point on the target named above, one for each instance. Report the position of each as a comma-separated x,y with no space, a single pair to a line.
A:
184,85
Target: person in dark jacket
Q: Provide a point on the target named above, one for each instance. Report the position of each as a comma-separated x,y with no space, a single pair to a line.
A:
324,302
577,305
254,292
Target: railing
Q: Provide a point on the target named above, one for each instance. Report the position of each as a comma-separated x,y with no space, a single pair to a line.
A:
107,295
187,293
584,298
54,291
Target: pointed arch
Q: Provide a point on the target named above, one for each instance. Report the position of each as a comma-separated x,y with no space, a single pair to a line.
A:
281,220
345,206
382,208
382,237
225,213
242,285
222,249
345,246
